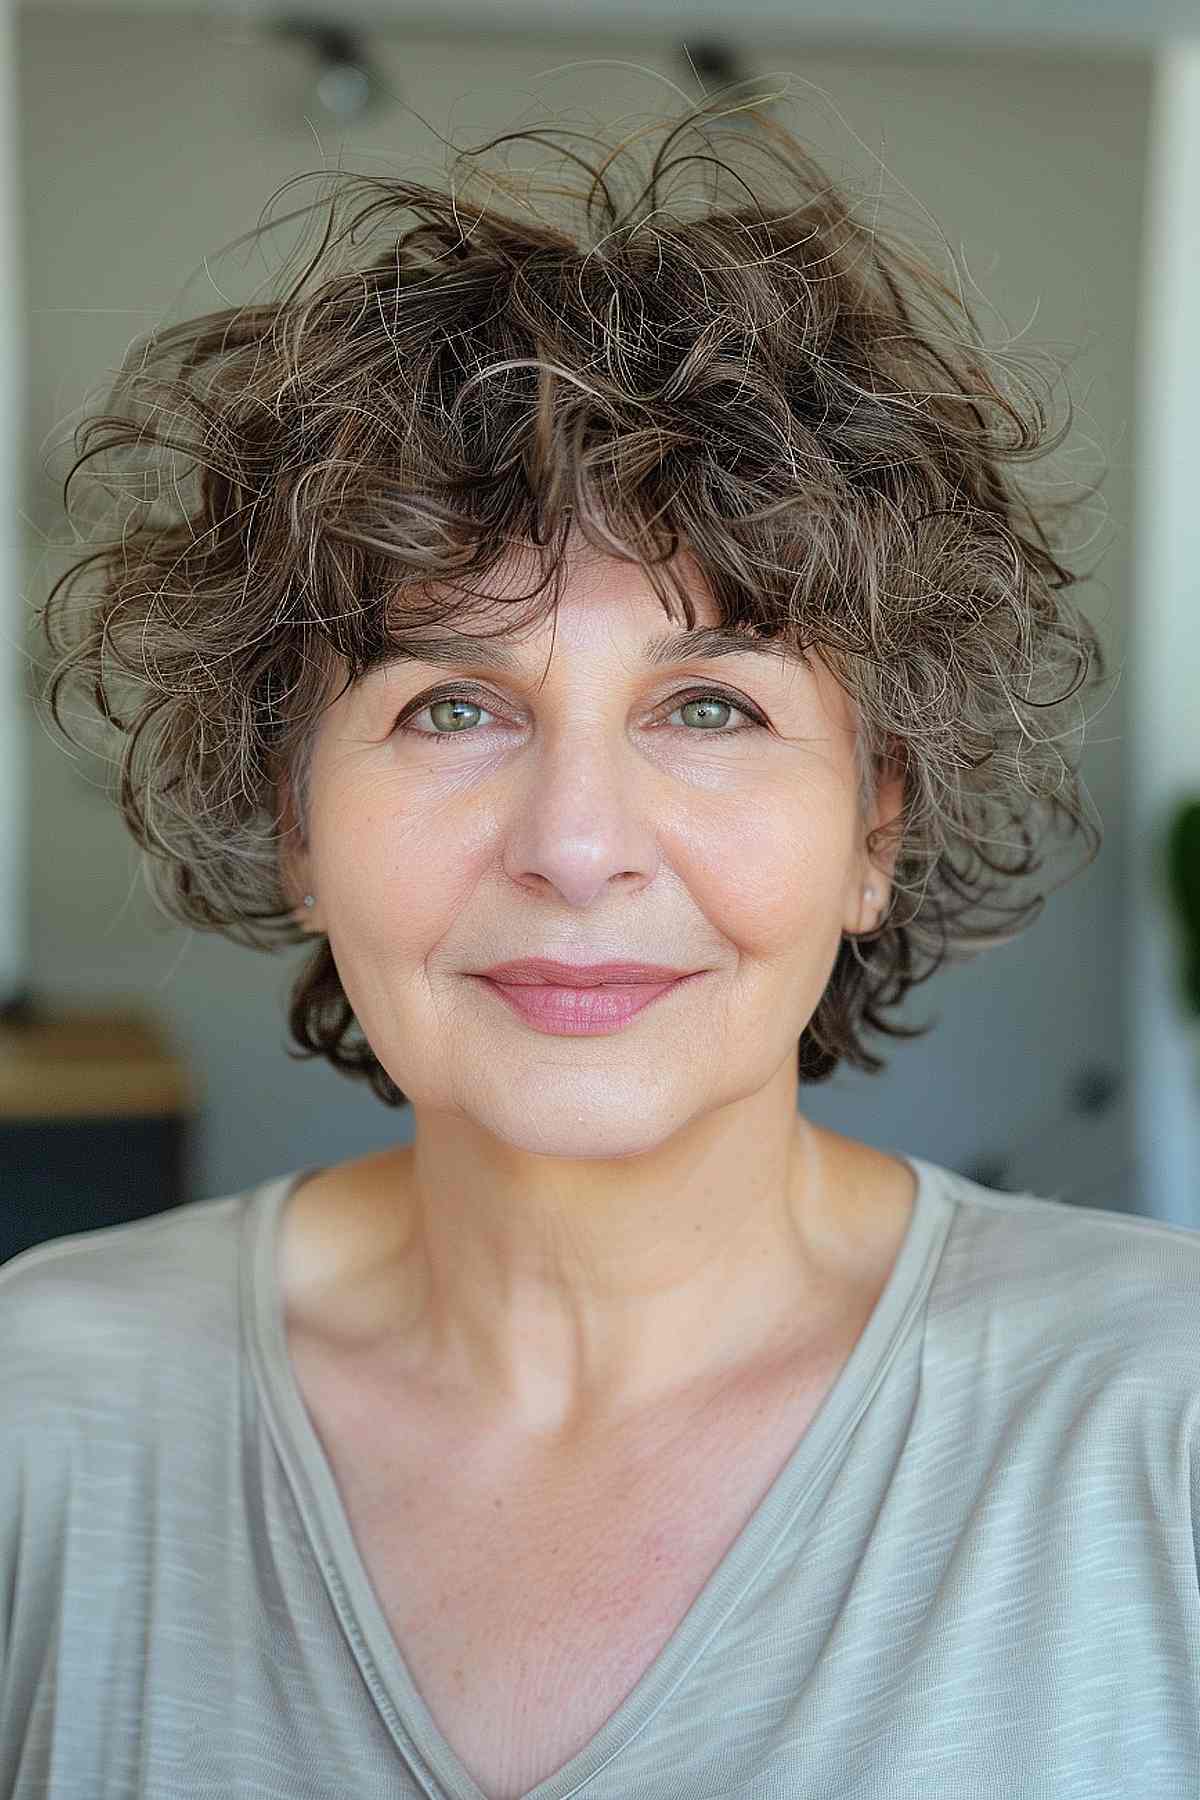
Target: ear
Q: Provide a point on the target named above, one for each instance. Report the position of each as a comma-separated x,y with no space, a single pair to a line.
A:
877,869
294,859
889,806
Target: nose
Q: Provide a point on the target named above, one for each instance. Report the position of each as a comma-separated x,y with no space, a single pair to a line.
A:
586,819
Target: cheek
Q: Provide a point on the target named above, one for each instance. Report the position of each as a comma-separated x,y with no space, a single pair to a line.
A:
395,880
774,880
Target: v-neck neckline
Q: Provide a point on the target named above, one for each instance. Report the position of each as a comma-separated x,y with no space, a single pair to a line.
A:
332,1542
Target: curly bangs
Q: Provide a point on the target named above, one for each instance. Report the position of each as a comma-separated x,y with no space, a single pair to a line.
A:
763,380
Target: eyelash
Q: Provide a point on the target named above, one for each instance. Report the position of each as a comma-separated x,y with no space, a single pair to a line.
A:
751,713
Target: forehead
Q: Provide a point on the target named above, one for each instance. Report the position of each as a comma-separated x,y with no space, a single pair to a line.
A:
600,599
604,603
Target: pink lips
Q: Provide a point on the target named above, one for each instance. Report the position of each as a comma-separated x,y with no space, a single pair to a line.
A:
542,971
582,1011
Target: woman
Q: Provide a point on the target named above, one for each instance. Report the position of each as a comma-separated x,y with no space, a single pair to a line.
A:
652,593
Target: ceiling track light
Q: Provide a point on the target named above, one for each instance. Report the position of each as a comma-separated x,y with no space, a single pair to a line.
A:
345,84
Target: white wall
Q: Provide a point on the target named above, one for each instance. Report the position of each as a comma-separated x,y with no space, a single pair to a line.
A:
1165,646
150,142
968,26
14,737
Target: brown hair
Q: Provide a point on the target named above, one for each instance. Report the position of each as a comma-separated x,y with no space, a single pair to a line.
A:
804,406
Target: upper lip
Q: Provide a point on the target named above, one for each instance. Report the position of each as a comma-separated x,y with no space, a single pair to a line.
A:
544,971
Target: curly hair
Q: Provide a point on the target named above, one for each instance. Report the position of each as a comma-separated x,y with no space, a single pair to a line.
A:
802,403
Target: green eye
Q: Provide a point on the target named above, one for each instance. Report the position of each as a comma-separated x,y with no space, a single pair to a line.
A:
696,697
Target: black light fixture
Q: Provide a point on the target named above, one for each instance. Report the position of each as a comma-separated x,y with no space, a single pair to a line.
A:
345,84
712,60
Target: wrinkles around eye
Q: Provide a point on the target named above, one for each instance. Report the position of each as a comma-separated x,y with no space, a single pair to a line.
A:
752,716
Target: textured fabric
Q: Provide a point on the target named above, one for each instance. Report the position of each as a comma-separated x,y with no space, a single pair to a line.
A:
975,1577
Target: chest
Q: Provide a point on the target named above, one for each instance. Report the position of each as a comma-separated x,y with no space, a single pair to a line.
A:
526,1604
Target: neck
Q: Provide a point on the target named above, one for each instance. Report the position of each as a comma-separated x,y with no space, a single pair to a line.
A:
579,1300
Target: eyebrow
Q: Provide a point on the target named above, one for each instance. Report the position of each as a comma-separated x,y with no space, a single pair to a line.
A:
461,651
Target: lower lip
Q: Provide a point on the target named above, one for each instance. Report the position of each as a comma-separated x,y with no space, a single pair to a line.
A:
583,1012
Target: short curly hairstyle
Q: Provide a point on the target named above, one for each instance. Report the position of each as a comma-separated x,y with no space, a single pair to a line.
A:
765,379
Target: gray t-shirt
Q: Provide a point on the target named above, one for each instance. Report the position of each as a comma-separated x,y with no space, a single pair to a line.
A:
975,1578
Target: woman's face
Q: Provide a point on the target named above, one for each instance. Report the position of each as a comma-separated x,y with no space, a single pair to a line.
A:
597,814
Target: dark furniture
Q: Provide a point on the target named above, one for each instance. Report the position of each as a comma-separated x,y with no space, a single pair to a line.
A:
96,1116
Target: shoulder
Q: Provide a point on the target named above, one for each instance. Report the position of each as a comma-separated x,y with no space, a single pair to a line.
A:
101,1312
1012,1231
1041,1275
120,1356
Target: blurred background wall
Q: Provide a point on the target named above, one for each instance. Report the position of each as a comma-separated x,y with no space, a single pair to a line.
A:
149,140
